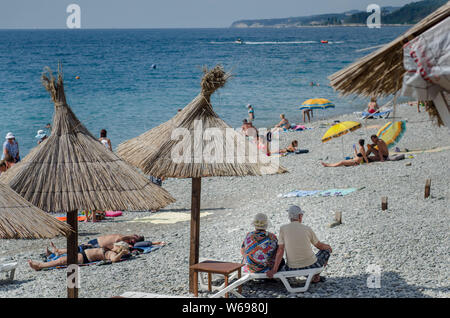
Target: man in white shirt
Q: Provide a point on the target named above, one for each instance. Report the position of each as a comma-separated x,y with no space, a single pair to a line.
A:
296,239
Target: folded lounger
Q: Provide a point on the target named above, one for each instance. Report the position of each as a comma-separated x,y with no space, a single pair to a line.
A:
282,275
9,269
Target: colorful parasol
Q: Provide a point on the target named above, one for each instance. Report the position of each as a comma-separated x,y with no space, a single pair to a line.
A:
316,103
340,129
391,133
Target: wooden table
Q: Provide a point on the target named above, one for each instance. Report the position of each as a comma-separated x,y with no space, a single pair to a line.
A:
215,267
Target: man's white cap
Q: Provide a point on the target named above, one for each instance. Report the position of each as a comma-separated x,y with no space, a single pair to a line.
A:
294,211
9,136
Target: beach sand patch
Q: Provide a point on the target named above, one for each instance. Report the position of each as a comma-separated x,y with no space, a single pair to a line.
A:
167,218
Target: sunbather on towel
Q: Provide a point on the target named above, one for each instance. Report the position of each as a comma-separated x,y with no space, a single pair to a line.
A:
259,247
87,256
380,154
360,157
296,239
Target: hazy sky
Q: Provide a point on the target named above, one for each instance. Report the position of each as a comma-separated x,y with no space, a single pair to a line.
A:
167,13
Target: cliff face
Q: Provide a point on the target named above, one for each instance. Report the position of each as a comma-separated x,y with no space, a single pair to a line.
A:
408,14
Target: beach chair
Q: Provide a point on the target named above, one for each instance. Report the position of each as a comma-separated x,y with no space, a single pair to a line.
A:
146,295
378,114
282,275
9,269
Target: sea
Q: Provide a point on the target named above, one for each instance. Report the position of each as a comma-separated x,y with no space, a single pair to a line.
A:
128,81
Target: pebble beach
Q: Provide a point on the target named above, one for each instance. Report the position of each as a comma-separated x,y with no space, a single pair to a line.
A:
408,242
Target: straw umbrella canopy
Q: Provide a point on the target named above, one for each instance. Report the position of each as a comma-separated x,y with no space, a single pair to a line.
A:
71,170
19,219
155,150
381,72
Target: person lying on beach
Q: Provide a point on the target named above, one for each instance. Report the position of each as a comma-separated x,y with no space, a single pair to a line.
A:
107,241
283,124
296,239
86,256
360,157
259,246
380,154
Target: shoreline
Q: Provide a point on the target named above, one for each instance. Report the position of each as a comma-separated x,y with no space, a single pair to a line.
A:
409,240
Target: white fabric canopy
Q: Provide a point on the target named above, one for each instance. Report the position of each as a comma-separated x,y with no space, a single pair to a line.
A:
427,63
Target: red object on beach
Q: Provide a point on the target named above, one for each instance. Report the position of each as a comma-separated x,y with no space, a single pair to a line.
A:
113,214
64,218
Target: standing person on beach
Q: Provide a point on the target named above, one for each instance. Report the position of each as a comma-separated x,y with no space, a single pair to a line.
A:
251,113
259,246
11,147
296,239
104,140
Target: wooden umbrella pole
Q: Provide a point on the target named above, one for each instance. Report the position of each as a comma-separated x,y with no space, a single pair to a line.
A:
195,228
72,254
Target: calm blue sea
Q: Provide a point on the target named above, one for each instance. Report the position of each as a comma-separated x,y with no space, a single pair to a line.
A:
119,91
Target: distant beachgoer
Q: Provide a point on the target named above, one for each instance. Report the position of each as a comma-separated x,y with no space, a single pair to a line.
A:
372,107
251,113
259,246
179,110
157,181
380,154
309,113
283,124
360,156
3,166
296,239
107,241
49,129
86,256
11,147
41,136
291,148
104,140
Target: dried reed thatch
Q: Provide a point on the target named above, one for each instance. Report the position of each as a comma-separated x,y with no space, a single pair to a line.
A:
71,170
19,219
381,72
153,150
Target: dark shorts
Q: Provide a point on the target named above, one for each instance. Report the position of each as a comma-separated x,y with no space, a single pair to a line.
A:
85,259
93,243
322,258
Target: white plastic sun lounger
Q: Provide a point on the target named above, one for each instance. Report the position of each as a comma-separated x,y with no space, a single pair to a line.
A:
282,275
147,295
9,269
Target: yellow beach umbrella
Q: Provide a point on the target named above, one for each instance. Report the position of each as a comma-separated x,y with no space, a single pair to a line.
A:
316,103
340,129
391,133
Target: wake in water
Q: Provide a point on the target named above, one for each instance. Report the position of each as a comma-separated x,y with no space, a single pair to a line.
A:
271,42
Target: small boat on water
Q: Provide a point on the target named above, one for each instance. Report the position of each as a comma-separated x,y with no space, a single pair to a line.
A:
324,41
239,41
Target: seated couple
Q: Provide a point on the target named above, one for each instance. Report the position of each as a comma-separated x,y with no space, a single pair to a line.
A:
378,148
263,253
109,247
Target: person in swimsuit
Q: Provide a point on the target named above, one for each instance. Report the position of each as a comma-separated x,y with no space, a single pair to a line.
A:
283,124
86,256
104,140
360,156
251,113
372,107
291,148
381,152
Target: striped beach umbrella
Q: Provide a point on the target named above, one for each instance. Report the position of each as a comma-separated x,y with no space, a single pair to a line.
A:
316,103
392,132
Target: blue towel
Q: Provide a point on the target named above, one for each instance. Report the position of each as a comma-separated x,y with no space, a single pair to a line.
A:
320,193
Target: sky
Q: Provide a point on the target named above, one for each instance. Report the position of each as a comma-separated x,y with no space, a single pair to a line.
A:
167,13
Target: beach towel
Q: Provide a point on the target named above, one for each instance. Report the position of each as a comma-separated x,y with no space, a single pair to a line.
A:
321,193
396,157
140,250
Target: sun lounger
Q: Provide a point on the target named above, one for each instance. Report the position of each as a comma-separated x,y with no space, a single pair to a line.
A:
9,269
282,275
379,114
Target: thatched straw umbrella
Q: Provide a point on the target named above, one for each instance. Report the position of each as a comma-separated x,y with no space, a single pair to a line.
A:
71,171
154,151
381,72
19,219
